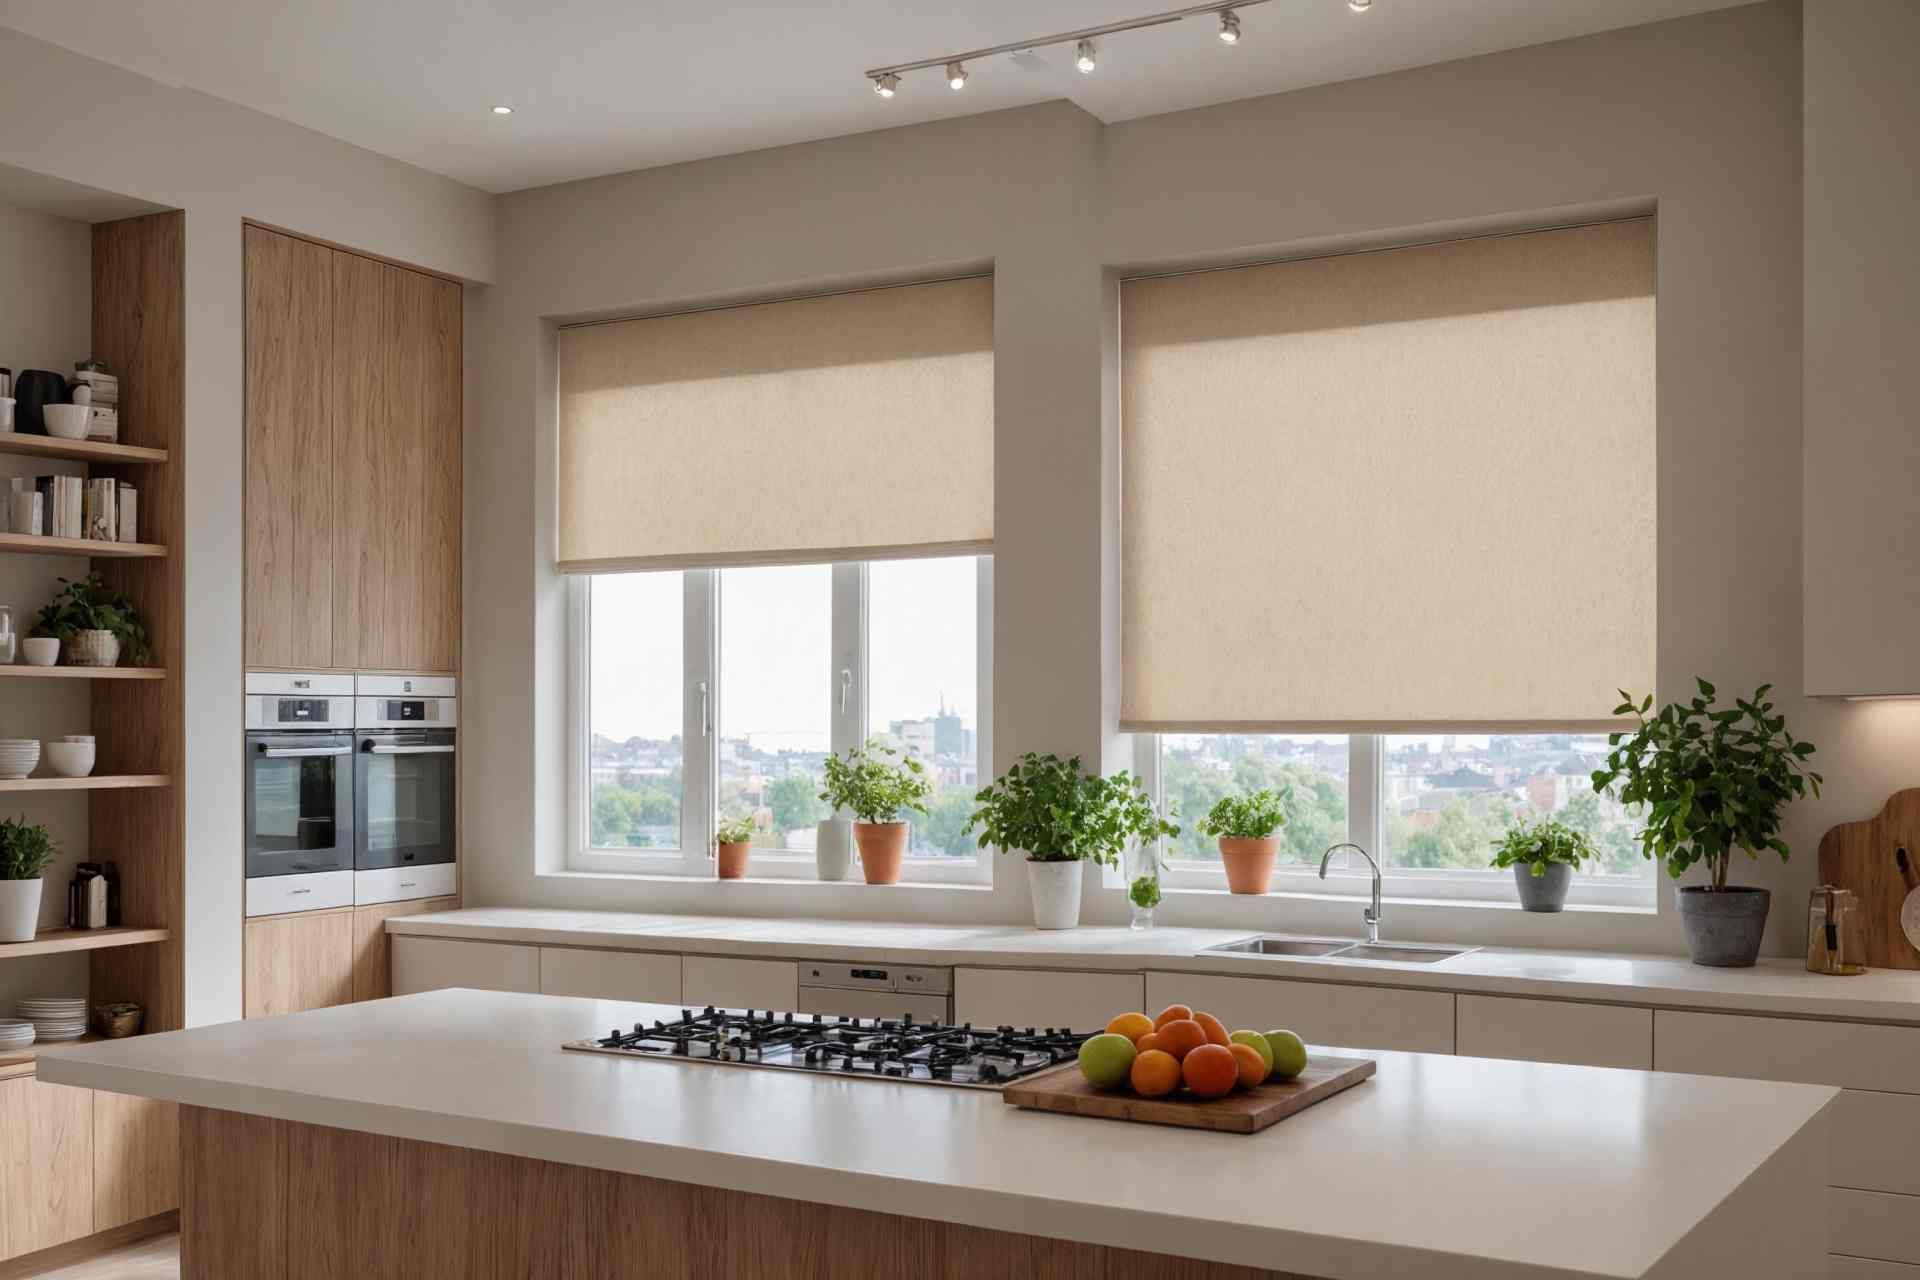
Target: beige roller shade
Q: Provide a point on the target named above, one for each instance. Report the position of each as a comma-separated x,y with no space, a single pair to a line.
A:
1404,488
851,426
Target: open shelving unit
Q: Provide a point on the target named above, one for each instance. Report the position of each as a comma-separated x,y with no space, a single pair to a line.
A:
54,941
29,544
20,671
92,782
78,450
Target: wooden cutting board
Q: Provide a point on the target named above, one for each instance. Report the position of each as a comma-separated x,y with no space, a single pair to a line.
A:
1248,1111
1860,856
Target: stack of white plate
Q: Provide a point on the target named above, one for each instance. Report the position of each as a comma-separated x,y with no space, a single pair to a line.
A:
18,756
55,1017
15,1033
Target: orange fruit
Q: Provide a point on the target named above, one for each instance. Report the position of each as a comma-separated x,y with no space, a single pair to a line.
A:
1253,1067
1179,1037
1151,1040
1130,1025
1216,1034
1155,1074
1211,1071
1171,1013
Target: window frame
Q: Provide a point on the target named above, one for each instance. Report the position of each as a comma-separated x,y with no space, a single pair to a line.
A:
845,684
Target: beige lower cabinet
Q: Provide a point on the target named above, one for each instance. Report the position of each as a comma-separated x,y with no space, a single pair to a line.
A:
372,961
1851,1055
1325,1013
428,964
643,976
297,962
1044,998
1876,1142
1874,1224
1584,1035
1845,1268
728,982
46,1165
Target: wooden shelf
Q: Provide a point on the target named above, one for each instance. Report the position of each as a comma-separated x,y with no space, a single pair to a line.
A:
33,545
102,782
21,671
80,450
51,941
20,1062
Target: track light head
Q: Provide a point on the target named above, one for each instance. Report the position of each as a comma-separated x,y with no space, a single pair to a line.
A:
886,84
1359,6
1229,27
956,77
1085,59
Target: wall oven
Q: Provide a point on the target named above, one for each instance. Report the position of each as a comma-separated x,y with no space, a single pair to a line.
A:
299,792
405,771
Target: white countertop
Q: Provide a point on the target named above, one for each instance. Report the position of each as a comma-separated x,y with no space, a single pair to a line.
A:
1781,987
1448,1168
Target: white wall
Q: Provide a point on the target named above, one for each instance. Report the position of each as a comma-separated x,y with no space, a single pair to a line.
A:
88,122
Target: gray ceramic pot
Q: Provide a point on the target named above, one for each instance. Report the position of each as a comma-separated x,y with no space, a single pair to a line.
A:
1723,929
1543,893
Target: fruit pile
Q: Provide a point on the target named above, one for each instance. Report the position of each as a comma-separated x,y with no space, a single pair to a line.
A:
1155,1056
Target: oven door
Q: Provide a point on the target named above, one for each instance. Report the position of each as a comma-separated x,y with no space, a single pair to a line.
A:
299,803
404,798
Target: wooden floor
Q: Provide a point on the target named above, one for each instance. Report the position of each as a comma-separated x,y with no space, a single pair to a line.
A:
155,1258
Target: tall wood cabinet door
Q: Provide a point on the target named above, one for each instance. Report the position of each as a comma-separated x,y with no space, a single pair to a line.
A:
289,451
428,347
136,1158
365,456
298,962
46,1165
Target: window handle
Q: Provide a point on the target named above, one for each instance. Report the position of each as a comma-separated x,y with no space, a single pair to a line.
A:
706,718
846,687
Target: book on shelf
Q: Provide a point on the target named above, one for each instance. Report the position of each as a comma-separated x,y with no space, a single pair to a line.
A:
100,514
127,513
99,509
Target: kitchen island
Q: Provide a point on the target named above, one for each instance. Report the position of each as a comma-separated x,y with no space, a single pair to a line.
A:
448,1134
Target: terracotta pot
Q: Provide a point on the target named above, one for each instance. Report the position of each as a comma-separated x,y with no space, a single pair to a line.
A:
733,859
1249,863
882,845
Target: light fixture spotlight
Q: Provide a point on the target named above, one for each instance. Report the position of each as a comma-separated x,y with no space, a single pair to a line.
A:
886,84
1229,27
1084,58
956,77
1359,6
503,111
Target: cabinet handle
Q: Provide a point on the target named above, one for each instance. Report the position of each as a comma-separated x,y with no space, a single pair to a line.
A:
706,719
846,687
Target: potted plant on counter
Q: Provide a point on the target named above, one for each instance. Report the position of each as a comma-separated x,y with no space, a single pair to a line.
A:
733,841
1061,818
1713,780
26,850
1245,826
877,791
1544,856
94,624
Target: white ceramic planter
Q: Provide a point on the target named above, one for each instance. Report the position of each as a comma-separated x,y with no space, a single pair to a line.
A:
1056,894
832,848
19,909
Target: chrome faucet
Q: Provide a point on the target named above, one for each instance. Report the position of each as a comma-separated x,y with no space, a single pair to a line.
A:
1372,913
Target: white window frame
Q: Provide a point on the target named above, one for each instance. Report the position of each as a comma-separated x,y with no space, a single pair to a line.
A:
701,696
1349,875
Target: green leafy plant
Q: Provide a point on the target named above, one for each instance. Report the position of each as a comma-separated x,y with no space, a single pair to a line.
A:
735,830
1047,807
1713,779
1144,892
1253,816
1541,844
872,788
88,604
26,849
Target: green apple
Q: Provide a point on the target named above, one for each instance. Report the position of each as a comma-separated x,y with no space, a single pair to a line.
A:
1107,1060
1289,1054
1256,1042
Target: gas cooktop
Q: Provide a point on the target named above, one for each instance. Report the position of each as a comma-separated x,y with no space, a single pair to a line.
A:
866,1048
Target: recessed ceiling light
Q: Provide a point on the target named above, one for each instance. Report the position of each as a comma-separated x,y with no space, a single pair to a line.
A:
503,111
956,77
1359,6
1229,27
1084,59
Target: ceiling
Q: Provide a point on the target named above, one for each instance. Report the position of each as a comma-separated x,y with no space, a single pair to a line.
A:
602,86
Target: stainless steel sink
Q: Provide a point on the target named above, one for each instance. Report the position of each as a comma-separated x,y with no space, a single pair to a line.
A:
1340,949
1265,946
1401,952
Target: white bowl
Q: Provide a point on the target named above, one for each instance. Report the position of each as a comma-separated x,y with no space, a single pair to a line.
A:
18,762
40,651
67,421
69,759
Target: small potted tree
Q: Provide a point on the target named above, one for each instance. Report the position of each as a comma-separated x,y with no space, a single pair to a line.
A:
877,792
1061,818
1245,825
733,840
1544,856
94,624
26,850
1713,780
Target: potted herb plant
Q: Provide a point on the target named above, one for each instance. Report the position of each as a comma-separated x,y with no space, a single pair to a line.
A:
877,792
94,624
733,840
1544,856
1713,780
1244,826
26,850
1061,818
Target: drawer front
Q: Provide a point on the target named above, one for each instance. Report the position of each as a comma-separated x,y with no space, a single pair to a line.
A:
1844,1268
728,983
1876,1142
1324,1013
1043,998
428,964
1849,1055
1586,1035
610,975
280,895
404,884
1873,1224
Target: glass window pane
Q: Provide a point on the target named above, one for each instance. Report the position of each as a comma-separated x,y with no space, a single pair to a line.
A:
634,705
1196,769
1448,797
776,655
923,686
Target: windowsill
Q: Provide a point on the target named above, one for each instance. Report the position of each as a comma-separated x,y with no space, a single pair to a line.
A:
783,882
1477,904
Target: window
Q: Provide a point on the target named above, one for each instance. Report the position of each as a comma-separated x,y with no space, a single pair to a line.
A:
765,670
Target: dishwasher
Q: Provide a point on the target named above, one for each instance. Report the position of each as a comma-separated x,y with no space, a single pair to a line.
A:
920,992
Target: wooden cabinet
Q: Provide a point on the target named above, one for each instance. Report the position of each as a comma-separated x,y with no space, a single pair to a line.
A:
298,962
739,984
428,964
354,406
1323,1013
46,1165
1587,1035
372,955
644,976
136,1158
1044,998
